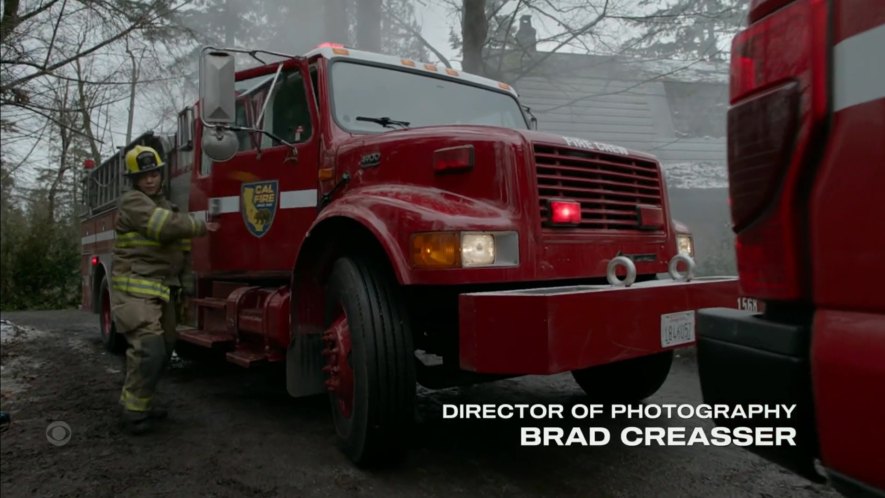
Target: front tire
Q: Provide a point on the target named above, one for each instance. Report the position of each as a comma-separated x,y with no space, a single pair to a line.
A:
369,361
113,342
625,381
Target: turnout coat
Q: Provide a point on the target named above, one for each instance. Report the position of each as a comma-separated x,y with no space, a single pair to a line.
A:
152,239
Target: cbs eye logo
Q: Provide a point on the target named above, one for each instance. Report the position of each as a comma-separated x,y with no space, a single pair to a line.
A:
58,433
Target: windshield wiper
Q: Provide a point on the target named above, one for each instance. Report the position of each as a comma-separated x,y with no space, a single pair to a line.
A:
385,121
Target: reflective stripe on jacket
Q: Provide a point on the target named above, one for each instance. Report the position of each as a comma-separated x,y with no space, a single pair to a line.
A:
152,238
135,239
140,287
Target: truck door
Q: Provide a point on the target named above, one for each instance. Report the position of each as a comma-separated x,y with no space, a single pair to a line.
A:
265,197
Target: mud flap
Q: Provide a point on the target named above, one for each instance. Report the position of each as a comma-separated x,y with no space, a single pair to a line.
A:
744,359
304,365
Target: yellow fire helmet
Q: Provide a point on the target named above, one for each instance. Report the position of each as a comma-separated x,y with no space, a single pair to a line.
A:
141,159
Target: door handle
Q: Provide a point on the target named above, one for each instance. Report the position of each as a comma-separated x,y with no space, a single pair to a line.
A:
214,209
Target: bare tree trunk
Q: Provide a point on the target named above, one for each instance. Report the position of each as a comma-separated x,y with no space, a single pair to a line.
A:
474,29
335,14
368,25
86,113
75,212
710,49
65,134
132,86
10,18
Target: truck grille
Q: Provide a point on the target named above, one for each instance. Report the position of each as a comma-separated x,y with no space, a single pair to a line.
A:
609,187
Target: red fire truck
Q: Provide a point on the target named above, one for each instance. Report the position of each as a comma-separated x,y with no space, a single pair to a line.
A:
385,221
805,158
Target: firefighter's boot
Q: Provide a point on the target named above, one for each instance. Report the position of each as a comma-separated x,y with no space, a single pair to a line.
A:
157,413
136,423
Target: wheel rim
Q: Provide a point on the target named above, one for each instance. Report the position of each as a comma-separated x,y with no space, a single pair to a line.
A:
105,315
337,351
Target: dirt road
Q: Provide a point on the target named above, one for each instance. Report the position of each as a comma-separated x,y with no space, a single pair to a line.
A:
237,433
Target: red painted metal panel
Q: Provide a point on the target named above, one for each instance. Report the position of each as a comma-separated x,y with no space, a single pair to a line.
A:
856,16
848,349
546,331
90,228
848,232
276,322
848,239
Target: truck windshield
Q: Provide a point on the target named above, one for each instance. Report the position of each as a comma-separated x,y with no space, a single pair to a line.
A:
379,92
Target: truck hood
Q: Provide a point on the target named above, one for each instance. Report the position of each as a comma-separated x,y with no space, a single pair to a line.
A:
476,132
589,144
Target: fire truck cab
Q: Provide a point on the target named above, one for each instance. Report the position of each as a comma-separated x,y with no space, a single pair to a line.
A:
385,221
805,158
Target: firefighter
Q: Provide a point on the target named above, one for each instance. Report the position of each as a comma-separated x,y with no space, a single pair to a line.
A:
152,238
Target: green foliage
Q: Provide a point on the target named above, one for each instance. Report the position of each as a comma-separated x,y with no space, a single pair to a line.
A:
39,257
40,268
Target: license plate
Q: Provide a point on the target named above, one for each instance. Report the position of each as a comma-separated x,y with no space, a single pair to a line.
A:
677,328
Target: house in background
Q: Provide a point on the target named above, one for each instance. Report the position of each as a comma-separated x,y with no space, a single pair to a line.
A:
675,110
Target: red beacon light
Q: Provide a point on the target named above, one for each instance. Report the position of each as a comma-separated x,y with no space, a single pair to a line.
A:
565,212
88,164
94,260
337,48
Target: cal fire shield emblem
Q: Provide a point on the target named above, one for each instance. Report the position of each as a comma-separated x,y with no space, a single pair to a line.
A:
258,203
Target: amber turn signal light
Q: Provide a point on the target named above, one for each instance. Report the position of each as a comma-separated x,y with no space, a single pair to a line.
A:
436,250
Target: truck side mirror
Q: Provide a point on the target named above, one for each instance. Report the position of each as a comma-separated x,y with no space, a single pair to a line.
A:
533,121
217,103
217,87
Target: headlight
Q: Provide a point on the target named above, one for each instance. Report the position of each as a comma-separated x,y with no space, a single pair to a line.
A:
464,249
684,244
477,249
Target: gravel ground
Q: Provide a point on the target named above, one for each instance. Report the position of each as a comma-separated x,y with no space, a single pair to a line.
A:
234,432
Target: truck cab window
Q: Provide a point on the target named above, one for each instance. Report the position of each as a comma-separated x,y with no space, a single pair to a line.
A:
417,98
287,115
242,119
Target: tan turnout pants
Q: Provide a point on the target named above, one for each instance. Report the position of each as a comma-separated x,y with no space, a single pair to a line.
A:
149,326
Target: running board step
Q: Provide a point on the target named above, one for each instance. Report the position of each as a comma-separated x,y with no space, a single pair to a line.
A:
245,358
206,338
210,302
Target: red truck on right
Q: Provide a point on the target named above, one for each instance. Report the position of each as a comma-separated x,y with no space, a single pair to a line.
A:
806,165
